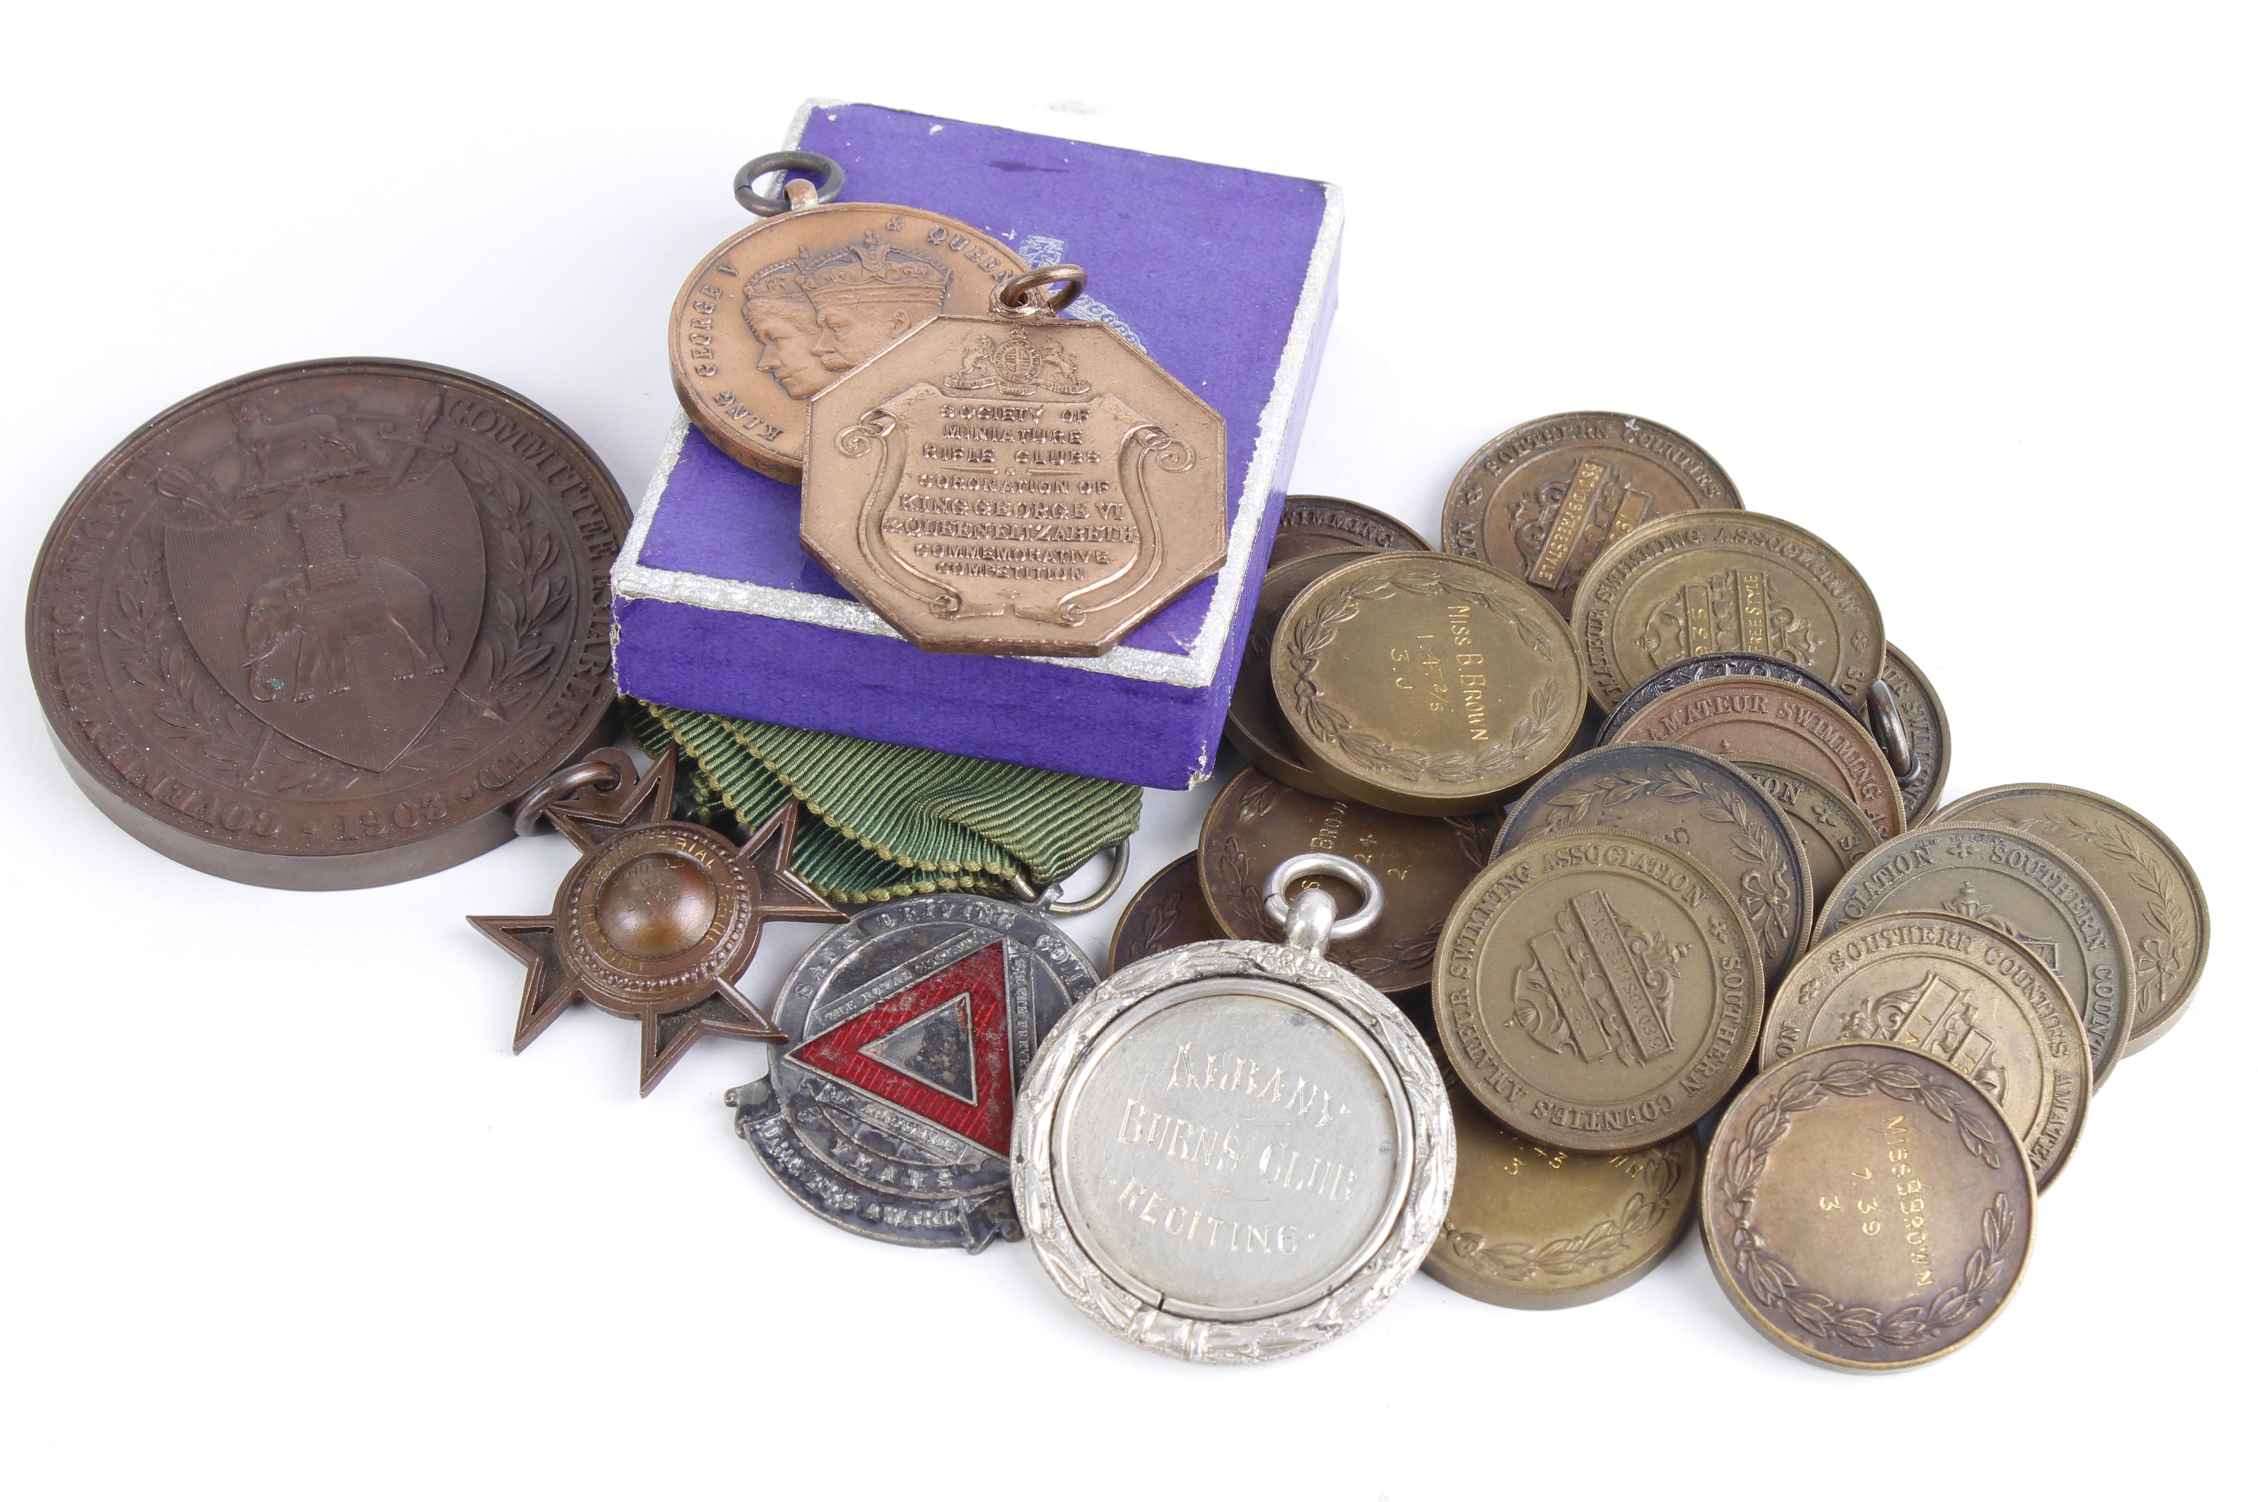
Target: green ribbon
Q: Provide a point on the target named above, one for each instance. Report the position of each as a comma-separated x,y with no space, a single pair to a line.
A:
889,821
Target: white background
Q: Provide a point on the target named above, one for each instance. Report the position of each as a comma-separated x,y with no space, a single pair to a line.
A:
1967,292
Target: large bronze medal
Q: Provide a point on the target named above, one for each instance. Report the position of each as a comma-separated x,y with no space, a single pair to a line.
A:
318,626
659,918
786,306
1016,483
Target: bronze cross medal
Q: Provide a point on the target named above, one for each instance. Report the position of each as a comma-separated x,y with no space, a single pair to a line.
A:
659,918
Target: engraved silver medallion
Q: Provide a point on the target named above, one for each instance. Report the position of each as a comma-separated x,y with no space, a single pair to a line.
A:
1235,1151
888,1110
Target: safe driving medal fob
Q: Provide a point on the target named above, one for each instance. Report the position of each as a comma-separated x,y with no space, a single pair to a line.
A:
1236,1151
887,1108
782,309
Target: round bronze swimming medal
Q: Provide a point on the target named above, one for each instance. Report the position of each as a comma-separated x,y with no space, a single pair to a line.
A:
887,1109
1833,834
1167,912
1778,722
1426,684
1015,483
1543,500
1327,524
318,626
2014,884
1959,992
1707,582
1236,1151
1422,864
1696,670
658,919
786,306
1903,694
1866,1207
1534,1227
1695,804
1253,722
2147,880
1597,991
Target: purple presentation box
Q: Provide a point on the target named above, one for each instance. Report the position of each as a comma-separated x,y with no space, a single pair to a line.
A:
1226,277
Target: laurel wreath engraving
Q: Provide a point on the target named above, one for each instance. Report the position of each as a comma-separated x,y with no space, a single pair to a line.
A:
1772,1283
1569,1256
190,709
1766,895
2158,963
1326,722
1155,923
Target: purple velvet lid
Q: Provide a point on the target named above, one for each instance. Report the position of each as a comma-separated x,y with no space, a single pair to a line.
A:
1224,276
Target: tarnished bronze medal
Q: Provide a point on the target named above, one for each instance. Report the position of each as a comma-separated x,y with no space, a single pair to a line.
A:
2014,884
1253,722
1597,991
318,626
1828,826
1959,992
1325,524
1422,865
1695,804
1697,669
1425,683
1776,722
1543,500
1908,723
780,310
1015,483
1866,1207
1535,1227
1725,582
658,919
1167,911
2148,882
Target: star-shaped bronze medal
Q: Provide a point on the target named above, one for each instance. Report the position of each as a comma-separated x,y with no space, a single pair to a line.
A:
658,920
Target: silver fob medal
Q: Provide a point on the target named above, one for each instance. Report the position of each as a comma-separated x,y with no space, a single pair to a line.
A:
1235,1151
888,1109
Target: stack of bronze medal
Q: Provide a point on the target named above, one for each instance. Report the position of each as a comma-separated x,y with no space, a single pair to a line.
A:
1654,803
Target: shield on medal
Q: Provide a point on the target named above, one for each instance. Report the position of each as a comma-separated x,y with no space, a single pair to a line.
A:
340,617
889,1111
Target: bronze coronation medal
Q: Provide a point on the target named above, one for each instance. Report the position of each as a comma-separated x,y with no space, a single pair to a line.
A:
1543,500
1325,524
1167,912
1422,864
1253,722
1866,1207
1015,483
1834,835
1695,804
1961,993
1597,991
1777,722
1707,582
1426,684
2149,883
788,305
1534,1227
318,626
2016,885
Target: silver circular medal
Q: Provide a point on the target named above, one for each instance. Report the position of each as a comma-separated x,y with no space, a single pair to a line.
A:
1235,1151
889,1109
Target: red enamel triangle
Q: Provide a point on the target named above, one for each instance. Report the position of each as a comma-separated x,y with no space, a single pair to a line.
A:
978,980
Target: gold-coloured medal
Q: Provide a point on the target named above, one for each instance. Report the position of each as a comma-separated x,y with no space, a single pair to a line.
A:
1015,483
786,306
1829,827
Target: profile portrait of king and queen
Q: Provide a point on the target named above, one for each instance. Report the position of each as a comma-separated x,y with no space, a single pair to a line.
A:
821,313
